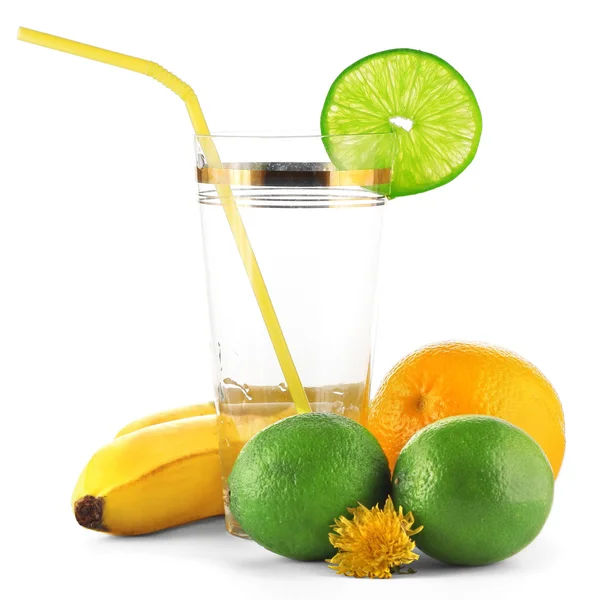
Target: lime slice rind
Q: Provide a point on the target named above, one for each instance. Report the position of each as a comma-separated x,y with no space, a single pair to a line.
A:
420,88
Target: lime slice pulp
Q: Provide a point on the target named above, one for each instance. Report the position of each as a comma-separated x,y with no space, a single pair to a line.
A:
423,99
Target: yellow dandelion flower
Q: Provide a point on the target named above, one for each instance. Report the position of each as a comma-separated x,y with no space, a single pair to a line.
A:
373,542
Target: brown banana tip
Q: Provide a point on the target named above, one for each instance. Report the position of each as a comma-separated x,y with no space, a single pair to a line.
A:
88,512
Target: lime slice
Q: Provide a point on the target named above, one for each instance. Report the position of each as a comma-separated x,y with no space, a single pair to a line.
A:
423,99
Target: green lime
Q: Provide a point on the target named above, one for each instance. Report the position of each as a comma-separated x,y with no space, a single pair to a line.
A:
292,479
481,487
423,99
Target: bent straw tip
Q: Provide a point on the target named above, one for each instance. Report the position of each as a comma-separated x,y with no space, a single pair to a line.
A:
22,33
30,35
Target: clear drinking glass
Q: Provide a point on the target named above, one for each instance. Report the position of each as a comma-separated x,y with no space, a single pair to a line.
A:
316,232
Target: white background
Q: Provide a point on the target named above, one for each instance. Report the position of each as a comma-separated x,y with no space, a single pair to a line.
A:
103,312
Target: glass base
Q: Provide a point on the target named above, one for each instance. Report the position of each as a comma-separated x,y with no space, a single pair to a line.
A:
233,527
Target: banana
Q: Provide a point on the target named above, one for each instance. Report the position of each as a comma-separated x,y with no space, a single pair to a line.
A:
195,410
157,477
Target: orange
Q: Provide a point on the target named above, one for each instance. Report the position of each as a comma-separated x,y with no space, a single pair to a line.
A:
449,379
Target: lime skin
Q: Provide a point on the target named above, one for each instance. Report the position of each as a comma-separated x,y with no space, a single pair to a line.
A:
481,487
293,478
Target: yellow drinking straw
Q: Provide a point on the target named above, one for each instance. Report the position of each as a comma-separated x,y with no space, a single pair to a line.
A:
186,93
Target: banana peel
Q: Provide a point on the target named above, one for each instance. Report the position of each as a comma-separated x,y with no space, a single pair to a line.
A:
152,478
194,410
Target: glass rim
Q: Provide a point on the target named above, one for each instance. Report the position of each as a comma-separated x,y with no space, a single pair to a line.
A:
290,135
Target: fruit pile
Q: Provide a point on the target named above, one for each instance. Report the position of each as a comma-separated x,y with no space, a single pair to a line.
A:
475,436
480,487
